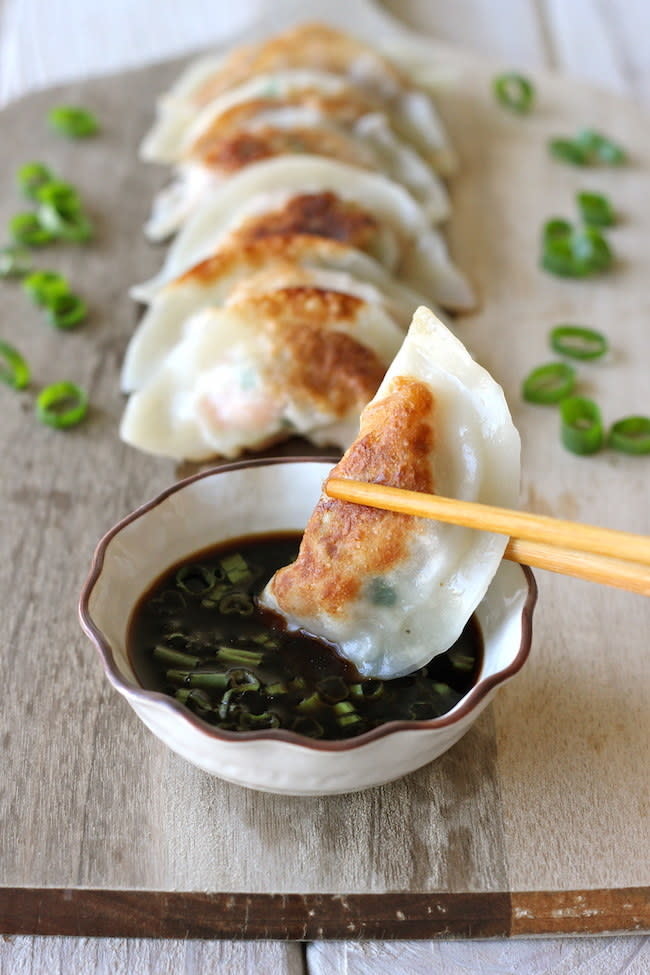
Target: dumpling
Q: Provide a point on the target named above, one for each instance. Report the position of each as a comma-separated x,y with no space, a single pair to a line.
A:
392,590
309,194
299,361
313,47
240,135
240,272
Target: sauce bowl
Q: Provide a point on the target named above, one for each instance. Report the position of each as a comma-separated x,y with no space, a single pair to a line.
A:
249,498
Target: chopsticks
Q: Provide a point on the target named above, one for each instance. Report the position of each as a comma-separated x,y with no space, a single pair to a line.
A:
603,555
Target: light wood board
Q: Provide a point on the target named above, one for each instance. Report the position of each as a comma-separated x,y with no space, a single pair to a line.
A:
548,793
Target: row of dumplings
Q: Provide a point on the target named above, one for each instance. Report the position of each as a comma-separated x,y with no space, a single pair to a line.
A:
306,200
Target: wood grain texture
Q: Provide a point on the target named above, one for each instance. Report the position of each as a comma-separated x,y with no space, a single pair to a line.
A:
543,793
134,956
579,956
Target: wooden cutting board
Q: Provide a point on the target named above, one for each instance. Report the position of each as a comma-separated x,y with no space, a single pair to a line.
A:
537,821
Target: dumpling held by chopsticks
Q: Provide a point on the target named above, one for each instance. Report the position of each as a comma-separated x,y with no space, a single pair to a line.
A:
391,590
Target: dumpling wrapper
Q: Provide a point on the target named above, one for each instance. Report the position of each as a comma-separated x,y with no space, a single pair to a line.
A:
364,209
299,361
392,590
230,276
314,47
265,128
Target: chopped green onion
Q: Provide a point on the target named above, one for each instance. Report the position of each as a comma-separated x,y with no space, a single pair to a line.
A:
207,681
569,151
61,405
312,703
276,689
233,655
195,579
514,91
421,710
26,229
66,311
72,121
554,229
31,177
254,722
195,697
76,228
44,286
600,148
381,592
63,197
550,383
631,435
236,568
587,148
578,342
581,425
14,371
174,657
595,209
242,680
236,602
461,661
15,262
576,254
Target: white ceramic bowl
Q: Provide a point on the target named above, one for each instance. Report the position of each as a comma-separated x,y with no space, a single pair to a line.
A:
250,498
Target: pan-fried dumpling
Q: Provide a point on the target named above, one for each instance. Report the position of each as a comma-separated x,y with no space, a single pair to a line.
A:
392,590
231,276
314,47
229,145
299,361
308,194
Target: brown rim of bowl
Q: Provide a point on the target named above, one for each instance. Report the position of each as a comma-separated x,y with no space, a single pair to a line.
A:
478,692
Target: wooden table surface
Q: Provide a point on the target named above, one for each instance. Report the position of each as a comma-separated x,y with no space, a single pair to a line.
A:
603,43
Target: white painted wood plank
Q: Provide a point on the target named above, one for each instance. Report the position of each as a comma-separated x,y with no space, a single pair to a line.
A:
119,956
513,34
584,45
584,956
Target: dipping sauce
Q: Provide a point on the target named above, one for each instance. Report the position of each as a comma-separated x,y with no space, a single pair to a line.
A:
198,635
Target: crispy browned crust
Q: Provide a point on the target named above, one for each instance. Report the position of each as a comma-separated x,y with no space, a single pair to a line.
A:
255,254
345,544
316,46
344,109
319,214
313,222
231,153
322,366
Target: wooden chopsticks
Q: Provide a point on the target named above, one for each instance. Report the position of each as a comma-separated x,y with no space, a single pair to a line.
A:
602,555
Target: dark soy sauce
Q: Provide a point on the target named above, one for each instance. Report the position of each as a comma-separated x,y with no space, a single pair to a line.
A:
198,635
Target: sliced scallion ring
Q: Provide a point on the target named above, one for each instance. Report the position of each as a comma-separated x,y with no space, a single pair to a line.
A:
600,148
31,177
569,151
62,197
595,209
631,435
576,254
581,428
76,228
578,342
26,229
66,310
62,405
73,121
549,383
44,286
515,92
556,229
14,371
15,261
